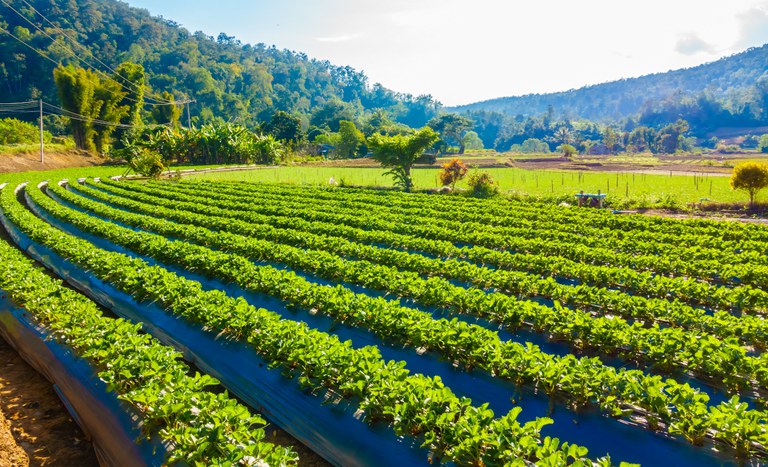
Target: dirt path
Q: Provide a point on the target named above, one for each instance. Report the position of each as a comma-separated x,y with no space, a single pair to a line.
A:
11,454
31,161
38,421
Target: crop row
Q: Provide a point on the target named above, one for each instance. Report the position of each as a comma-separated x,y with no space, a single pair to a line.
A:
749,329
149,376
707,230
521,226
581,380
714,271
743,298
419,406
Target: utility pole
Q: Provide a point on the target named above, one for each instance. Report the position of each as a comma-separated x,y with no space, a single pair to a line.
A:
42,156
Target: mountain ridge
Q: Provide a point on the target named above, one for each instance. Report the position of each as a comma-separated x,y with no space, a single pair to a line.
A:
724,79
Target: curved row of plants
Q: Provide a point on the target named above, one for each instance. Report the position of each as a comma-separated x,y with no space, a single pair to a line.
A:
706,229
520,226
451,427
170,402
326,261
689,290
714,271
664,404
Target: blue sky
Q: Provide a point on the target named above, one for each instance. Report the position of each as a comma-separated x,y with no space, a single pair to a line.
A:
465,51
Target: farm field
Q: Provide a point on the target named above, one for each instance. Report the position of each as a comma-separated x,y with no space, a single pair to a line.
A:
380,327
620,185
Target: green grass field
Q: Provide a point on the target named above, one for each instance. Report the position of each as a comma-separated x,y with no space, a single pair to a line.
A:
620,186
642,189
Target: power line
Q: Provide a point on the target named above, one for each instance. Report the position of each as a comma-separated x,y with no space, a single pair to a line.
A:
30,46
73,54
159,101
17,103
82,60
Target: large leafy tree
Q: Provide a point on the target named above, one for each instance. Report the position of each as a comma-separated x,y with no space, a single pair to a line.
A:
452,128
351,140
750,177
399,153
284,127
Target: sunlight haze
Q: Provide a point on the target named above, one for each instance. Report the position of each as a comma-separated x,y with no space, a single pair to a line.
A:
462,52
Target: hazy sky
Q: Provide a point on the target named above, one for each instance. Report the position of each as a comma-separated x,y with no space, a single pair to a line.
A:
466,51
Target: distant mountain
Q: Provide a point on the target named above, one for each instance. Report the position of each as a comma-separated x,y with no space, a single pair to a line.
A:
734,82
228,79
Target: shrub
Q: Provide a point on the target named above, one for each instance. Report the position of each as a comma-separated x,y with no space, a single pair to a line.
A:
147,163
483,185
568,151
13,131
452,172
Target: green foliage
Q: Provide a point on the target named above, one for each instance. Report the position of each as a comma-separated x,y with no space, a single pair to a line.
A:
731,91
285,127
147,163
412,404
131,79
762,145
13,131
531,145
472,141
77,88
83,92
238,211
216,143
399,153
165,396
452,128
568,151
351,141
246,83
167,114
750,177
482,185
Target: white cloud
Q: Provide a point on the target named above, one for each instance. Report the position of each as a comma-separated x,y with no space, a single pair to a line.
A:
692,44
752,26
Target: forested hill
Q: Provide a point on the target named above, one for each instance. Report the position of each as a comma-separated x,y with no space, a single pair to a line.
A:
735,82
229,80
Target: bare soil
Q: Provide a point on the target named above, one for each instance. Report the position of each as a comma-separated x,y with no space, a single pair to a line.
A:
38,423
31,161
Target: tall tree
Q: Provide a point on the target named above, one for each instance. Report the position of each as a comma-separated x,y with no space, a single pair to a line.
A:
750,177
108,109
76,87
167,114
351,140
284,127
130,76
399,153
452,128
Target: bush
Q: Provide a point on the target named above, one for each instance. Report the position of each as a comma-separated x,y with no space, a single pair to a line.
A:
13,131
568,151
452,172
147,163
483,185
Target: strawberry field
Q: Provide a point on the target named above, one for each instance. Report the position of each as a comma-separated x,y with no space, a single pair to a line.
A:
381,327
